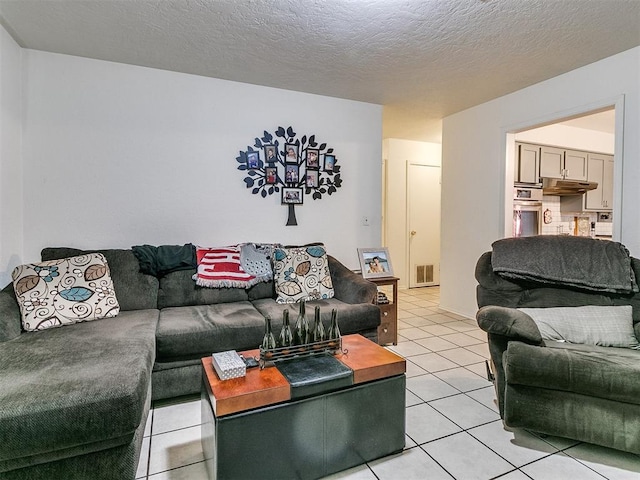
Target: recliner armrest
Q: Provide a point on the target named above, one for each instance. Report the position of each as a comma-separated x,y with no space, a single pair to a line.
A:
509,322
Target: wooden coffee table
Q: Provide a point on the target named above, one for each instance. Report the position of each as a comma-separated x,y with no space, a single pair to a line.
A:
252,428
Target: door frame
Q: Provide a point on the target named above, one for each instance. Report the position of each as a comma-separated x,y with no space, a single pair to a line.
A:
507,152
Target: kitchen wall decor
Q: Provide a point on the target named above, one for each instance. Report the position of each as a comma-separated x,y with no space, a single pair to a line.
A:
281,163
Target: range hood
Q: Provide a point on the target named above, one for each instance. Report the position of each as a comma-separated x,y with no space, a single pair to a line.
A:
558,186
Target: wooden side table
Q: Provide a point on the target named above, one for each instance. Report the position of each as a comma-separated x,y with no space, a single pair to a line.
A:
388,329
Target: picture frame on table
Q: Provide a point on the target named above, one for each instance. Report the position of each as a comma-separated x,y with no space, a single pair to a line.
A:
292,195
375,262
290,153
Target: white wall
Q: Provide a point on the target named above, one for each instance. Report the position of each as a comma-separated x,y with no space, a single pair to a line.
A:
570,137
397,153
473,168
118,155
11,238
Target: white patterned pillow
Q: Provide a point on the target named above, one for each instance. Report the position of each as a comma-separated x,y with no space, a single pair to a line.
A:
63,292
301,273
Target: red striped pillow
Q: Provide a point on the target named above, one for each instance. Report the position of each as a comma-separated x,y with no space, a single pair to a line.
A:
220,267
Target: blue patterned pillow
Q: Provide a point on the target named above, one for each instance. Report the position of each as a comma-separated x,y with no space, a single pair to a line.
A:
63,292
301,273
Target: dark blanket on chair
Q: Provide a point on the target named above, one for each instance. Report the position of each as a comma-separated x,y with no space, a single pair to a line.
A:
581,262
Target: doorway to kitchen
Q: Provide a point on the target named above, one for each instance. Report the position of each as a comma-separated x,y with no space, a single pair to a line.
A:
577,164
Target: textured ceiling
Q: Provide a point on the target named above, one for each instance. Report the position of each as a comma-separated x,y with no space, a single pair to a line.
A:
421,59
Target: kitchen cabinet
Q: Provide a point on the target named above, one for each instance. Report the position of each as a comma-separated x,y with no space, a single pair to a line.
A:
575,165
551,162
562,163
527,167
600,169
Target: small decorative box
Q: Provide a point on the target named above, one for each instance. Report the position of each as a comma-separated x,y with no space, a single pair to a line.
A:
229,365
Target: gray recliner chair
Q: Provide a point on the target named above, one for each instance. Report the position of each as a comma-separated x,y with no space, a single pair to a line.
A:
562,317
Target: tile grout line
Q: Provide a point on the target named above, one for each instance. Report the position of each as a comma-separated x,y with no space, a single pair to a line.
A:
437,462
178,468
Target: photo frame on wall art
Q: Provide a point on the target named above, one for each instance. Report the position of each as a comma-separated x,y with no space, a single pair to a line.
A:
329,162
375,262
290,153
292,196
270,155
312,179
253,160
271,175
313,158
291,174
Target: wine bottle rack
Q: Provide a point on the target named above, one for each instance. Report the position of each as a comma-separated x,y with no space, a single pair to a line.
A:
271,355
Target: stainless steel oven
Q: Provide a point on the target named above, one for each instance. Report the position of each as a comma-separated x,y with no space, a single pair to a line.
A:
527,211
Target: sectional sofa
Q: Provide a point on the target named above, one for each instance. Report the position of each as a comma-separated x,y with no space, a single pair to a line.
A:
74,399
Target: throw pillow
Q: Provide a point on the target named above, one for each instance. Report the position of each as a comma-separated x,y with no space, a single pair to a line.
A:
590,325
220,267
63,292
301,273
255,259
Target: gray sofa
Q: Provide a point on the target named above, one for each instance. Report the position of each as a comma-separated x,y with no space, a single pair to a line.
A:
74,400
584,392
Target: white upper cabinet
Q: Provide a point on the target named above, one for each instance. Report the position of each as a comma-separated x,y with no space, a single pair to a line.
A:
600,169
575,165
561,163
551,162
527,168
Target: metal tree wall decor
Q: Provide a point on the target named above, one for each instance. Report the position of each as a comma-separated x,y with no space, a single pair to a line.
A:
280,162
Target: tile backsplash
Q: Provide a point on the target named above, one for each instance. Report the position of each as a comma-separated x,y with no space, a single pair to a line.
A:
564,223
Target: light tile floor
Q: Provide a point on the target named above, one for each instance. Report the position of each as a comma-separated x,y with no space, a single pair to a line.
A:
453,427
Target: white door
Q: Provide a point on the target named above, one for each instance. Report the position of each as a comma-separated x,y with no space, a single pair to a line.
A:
423,203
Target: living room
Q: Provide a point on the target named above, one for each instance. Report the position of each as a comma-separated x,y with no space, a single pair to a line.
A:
148,148
96,153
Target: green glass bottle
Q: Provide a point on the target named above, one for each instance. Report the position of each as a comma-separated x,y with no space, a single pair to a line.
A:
269,341
302,332
286,337
318,327
334,331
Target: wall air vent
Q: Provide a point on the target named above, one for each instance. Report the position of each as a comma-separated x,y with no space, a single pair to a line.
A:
424,273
